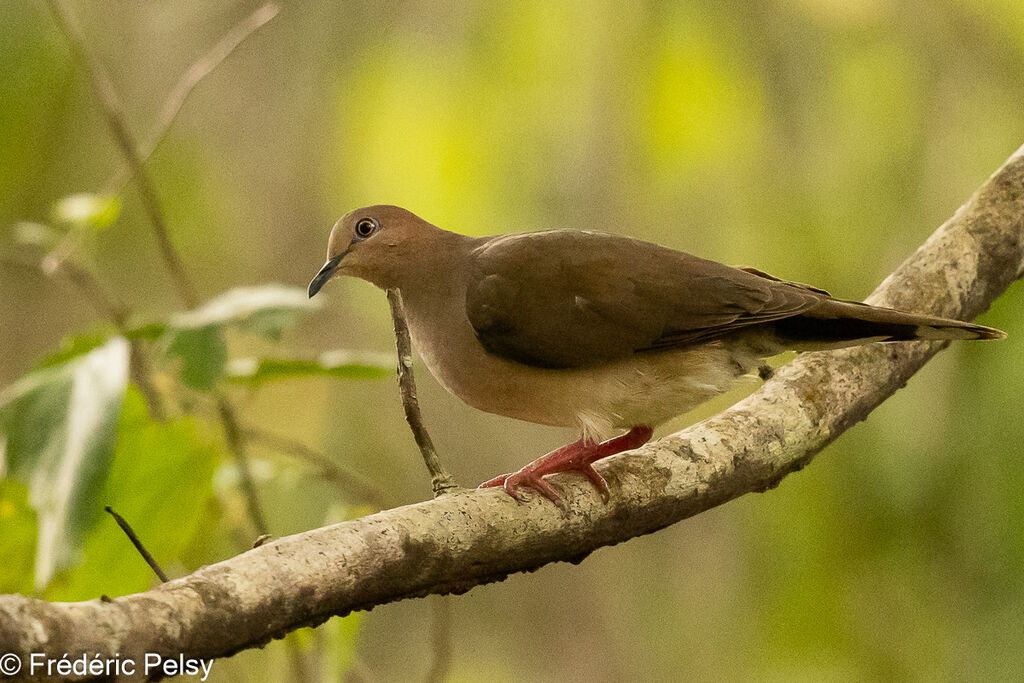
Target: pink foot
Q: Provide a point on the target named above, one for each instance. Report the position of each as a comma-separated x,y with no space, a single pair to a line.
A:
575,457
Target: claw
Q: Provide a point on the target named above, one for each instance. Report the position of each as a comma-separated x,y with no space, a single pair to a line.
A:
497,481
524,477
534,481
576,457
588,471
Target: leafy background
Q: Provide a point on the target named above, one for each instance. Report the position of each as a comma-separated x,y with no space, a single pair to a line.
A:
820,140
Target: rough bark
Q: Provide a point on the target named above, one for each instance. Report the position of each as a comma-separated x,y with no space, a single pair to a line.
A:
458,541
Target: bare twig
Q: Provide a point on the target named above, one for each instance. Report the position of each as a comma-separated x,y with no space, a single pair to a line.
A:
113,113
236,444
440,480
188,81
126,528
108,304
63,251
168,113
345,480
105,303
142,376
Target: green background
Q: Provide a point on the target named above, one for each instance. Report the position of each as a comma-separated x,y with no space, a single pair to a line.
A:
818,140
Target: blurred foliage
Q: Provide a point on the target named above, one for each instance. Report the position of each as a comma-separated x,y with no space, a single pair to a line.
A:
819,140
160,479
84,210
58,429
340,364
197,337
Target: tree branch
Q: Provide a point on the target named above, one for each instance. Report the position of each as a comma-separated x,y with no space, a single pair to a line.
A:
455,542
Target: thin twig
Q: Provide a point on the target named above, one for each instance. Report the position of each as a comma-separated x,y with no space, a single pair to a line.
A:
236,444
440,480
126,528
199,70
142,374
441,640
345,480
104,302
62,252
89,286
108,305
113,112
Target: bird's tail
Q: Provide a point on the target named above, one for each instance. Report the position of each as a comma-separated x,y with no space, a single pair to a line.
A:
836,324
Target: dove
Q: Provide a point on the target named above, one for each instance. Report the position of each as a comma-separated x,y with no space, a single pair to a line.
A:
605,334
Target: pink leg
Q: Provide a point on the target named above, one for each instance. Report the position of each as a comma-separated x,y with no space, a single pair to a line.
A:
576,457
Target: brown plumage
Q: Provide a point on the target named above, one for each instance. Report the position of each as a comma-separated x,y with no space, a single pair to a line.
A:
594,331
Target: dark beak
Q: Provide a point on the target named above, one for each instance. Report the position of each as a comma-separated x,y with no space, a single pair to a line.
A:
329,269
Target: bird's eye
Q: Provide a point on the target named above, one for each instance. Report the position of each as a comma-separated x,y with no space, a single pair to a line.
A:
366,227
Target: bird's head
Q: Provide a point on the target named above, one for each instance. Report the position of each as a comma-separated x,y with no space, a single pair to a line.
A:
375,243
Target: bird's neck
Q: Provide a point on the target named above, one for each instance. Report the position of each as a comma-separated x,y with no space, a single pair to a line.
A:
439,266
434,303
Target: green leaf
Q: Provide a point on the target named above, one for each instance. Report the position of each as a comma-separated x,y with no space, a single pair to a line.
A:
339,364
149,331
74,346
203,353
17,541
197,336
265,309
160,482
87,210
58,427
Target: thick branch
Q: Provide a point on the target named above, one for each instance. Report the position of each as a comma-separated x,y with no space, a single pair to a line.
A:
455,542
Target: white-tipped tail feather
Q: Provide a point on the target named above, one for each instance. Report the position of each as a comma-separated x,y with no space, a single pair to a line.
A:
957,332
837,323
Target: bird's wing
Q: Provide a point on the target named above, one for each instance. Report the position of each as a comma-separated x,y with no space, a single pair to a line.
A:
564,298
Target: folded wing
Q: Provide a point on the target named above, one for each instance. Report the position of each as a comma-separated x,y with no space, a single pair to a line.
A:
567,299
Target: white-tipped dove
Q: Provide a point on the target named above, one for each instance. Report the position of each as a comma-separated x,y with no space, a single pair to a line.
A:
597,332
